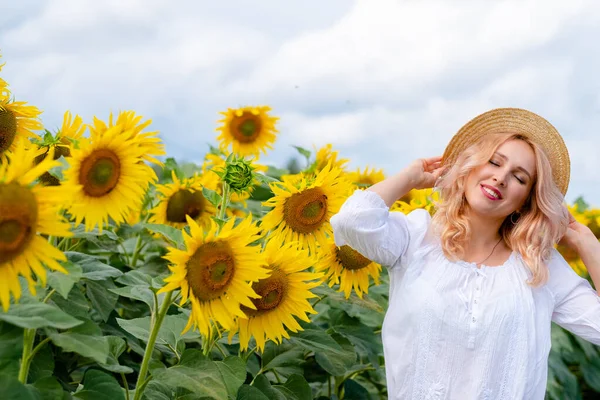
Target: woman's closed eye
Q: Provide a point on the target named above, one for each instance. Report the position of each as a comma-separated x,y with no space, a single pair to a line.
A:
521,181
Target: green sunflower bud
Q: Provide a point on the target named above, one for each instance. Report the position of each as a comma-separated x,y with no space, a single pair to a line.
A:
238,174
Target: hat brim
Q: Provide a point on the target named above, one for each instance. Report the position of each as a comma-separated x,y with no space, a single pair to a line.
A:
519,121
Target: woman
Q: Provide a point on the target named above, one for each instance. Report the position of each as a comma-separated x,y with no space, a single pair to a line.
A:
473,289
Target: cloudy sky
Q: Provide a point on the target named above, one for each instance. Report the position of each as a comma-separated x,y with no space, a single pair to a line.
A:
384,81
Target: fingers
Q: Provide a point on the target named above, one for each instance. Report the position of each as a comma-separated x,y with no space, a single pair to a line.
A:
432,160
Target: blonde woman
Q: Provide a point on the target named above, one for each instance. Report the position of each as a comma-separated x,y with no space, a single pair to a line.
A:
473,289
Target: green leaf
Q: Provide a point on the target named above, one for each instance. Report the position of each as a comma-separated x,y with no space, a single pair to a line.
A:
233,373
11,388
203,377
11,347
63,283
103,300
168,335
266,179
355,391
76,303
116,347
306,153
262,383
157,391
42,365
98,385
136,293
94,347
247,392
282,356
295,388
335,363
173,235
361,336
213,197
134,278
93,269
38,315
591,373
48,388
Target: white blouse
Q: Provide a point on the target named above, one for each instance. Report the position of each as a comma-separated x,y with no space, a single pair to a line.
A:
453,331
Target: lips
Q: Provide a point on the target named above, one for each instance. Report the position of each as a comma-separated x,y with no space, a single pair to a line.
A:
485,189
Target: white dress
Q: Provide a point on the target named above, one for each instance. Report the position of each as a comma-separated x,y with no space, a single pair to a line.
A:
453,331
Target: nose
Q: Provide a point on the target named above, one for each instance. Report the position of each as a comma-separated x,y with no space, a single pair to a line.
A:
500,180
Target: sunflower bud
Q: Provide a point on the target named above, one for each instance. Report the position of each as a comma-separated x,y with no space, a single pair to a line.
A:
238,174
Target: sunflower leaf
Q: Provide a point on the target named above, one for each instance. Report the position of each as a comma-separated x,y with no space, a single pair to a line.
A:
98,385
63,283
212,196
93,268
94,347
39,315
306,153
11,388
173,235
204,377
295,388
248,392
102,299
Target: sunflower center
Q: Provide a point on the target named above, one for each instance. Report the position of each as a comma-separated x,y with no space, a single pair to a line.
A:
246,128
210,270
306,211
183,203
99,173
8,129
272,291
18,219
351,259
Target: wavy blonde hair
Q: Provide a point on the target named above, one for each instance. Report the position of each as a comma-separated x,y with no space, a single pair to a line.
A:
541,222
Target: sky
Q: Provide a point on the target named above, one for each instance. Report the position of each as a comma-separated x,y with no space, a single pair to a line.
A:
383,81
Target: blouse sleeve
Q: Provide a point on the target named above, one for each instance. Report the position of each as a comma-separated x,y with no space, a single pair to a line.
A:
576,303
365,223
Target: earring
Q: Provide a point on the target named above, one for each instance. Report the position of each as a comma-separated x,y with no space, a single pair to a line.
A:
518,214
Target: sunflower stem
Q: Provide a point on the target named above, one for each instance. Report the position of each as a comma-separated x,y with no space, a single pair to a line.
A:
125,385
224,201
136,252
28,338
150,346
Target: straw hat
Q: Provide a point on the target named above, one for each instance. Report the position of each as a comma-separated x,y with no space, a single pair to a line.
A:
523,122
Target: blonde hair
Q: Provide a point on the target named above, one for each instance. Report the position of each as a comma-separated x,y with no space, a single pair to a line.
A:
542,220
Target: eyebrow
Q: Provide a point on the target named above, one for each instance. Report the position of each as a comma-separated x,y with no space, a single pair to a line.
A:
519,168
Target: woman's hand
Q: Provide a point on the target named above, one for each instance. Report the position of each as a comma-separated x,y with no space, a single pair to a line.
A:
577,235
424,172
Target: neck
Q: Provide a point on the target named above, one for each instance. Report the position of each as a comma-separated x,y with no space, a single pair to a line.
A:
484,233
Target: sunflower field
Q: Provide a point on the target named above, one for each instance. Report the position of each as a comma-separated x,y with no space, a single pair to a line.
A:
127,275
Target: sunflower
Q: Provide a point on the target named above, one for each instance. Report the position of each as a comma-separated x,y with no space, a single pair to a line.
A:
302,212
249,130
417,198
350,269
148,142
572,257
108,178
215,271
284,295
181,199
326,155
71,132
26,212
215,163
17,121
364,179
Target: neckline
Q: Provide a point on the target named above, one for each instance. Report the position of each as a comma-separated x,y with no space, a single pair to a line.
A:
472,264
